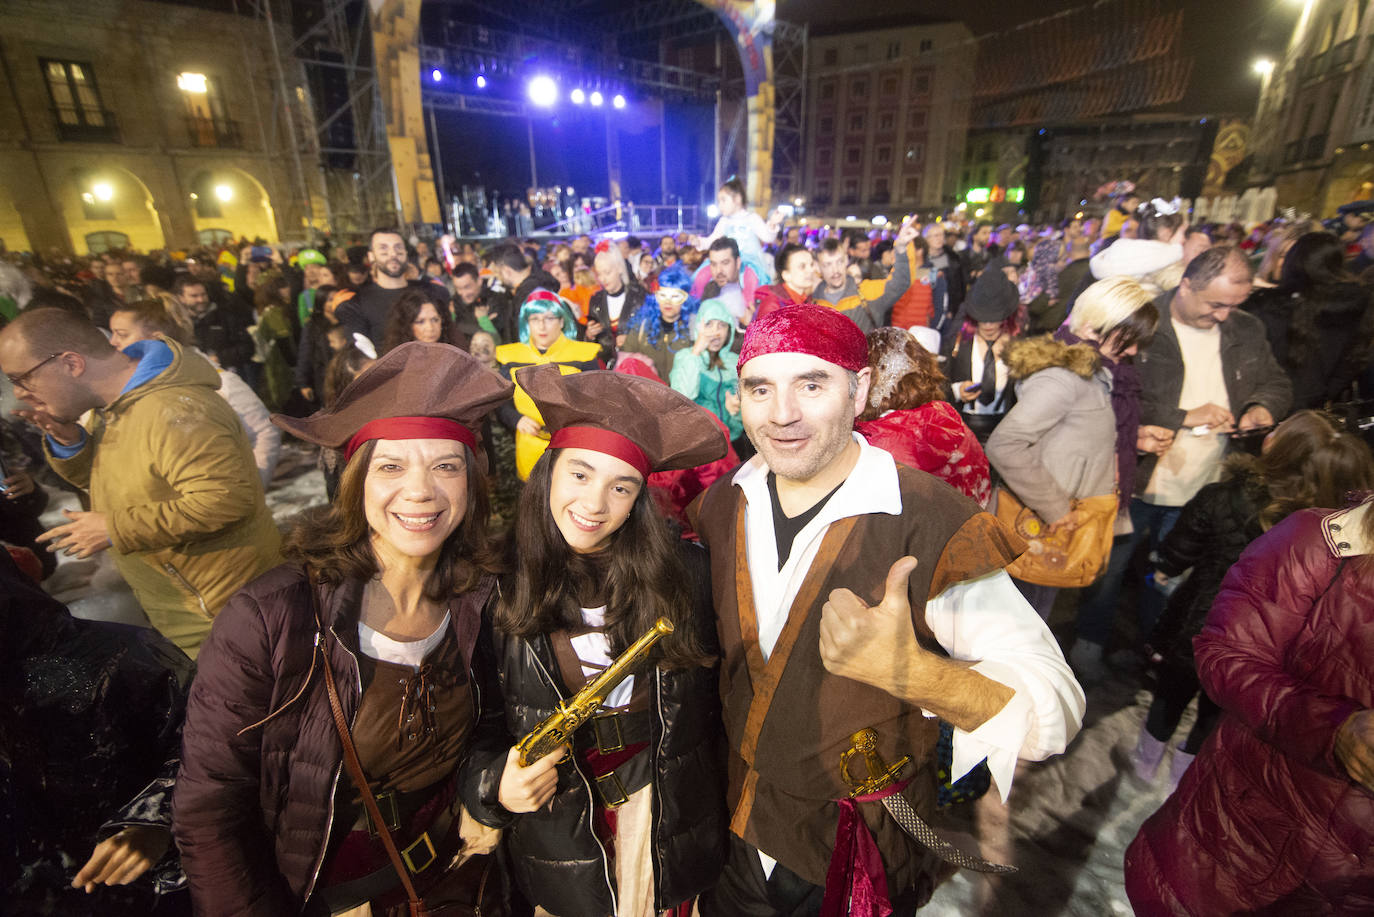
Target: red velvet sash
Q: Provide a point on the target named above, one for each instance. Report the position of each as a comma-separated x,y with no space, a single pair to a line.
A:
856,882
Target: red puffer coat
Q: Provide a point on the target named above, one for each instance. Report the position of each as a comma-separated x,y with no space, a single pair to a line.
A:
1266,820
935,439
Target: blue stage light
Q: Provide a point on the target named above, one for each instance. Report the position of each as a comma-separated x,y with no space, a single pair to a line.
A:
543,91
578,96
436,75
597,99
618,101
481,81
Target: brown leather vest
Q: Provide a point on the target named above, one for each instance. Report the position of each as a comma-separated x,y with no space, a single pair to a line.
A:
788,719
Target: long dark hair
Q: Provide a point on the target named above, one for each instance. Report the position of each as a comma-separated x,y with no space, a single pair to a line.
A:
640,573
336,539
405,310
1314,276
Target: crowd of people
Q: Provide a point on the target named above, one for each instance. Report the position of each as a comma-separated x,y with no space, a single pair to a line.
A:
855,475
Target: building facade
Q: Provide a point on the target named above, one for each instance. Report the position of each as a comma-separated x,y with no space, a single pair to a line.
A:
887,118
1314,125
136,124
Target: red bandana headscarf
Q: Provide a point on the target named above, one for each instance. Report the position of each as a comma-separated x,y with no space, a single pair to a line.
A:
805,328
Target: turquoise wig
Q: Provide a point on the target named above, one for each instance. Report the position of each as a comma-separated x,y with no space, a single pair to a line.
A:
542,301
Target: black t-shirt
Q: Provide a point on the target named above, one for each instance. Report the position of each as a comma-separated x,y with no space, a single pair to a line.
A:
786,528
368,312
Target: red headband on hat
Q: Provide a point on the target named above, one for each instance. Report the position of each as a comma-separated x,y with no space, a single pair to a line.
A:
411,428
551,300
815,330
604,441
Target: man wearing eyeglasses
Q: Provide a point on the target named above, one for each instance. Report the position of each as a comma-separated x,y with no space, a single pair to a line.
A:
174,493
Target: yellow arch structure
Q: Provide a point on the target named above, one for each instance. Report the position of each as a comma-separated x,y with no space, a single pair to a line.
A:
396,52
750,23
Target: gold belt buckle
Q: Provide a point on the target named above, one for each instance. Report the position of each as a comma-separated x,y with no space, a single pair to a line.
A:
597,724
610,783
386,804
429,846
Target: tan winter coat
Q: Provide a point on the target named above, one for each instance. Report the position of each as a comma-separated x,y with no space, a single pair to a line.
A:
170,467
1059,443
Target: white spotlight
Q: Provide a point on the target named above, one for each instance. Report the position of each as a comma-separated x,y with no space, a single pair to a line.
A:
597,99
543,91
103,190
618,101
577,96
224,193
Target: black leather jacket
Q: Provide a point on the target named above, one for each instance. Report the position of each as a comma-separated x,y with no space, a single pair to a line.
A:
555,857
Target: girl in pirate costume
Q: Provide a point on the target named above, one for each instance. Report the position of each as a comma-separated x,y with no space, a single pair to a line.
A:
630,821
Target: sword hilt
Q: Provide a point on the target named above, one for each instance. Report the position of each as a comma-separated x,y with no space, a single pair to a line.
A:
877,775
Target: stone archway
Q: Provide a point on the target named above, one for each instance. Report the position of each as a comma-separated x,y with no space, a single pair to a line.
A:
108,197
13,236
228,198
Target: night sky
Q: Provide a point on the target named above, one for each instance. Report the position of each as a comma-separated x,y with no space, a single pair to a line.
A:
1223,37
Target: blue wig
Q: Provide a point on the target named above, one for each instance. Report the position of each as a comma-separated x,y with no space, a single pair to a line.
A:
650,320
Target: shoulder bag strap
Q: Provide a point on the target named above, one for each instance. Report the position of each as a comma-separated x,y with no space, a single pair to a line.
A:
355,767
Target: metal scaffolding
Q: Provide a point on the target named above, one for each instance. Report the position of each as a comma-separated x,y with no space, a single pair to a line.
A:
326,95
789,81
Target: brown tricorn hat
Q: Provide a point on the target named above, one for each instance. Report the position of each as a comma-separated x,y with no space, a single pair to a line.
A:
434,391
641,421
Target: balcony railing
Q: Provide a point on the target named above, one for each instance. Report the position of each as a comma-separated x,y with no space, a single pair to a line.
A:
86,125
213,132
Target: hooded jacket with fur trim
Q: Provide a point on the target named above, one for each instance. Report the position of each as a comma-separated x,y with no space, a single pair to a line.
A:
1058,444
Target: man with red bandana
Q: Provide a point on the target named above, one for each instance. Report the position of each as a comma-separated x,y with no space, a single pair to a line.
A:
852,592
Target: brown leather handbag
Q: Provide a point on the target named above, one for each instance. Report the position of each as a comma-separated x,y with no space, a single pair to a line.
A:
1066,559
470,885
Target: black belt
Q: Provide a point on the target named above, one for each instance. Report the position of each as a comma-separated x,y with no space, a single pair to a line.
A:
418,855
613,732
982,425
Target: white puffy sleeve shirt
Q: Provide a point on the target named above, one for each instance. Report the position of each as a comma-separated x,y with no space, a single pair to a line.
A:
985,621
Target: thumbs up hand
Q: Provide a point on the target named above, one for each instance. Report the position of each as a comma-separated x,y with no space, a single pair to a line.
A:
875,645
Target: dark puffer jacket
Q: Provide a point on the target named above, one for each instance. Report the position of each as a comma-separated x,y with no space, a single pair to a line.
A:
556,858
1320,337
1266,820
253,807
90,715
1210,535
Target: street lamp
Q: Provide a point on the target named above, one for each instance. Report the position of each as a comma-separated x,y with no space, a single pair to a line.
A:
1263,67
103,190
224,193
